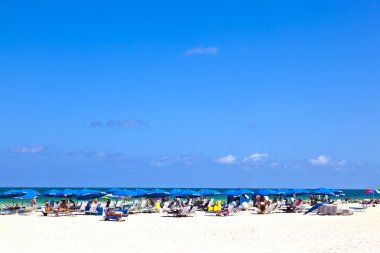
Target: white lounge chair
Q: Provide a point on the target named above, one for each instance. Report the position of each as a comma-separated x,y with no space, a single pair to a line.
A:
93,208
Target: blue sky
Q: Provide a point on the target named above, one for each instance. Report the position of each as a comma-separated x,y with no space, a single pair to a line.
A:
190,94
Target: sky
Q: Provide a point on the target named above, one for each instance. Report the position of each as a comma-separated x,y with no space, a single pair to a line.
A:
190,93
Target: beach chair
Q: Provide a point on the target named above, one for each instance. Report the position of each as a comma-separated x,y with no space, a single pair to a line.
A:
103,205
229,211
142,206
27,210
82,208
7,210
112,204
182,213
165,207
92,210
210,203
192,211
118,204
132,209
56,206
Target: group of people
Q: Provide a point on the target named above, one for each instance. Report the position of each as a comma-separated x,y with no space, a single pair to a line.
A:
61,206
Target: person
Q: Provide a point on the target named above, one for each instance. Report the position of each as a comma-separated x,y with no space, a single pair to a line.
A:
63,207
33,202
108,202
48,208
111,212
178,202
72,204
157,205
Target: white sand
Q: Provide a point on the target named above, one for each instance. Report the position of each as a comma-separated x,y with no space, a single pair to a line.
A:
155,234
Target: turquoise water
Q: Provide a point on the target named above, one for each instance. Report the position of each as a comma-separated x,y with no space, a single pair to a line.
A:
351,193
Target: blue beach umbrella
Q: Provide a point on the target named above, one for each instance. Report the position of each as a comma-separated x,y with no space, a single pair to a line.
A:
322,191
157,193
140,192
29,195
266,192
50,193
338,192
280,191
124,193
112,190
89,194
176,192
296,191
209,192
237,192
67,193
188,193
229,192
11,194
31,191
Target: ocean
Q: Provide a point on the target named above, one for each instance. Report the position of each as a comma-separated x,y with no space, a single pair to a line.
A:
351,193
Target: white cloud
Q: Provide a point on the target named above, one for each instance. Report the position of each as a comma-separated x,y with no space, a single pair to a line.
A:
186,160
256,157
321,160
202,50
29,150
228,159
341,163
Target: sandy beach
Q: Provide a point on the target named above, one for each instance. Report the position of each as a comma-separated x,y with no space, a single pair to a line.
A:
153,233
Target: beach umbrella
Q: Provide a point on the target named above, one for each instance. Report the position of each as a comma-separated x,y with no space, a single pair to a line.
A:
237,192
124,193
112,190
140,192
371,191
175,192
67,193
322,191
157,193
50,193
29,195
338,192
11,194
280,191
266,192
209,192
188,193
296,191
89,194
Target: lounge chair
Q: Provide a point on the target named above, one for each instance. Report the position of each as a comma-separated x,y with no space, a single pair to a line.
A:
93,209
192,211
82,208
165,207
103,205
227,212
27,210
132,209
7,210
112,204
180,213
